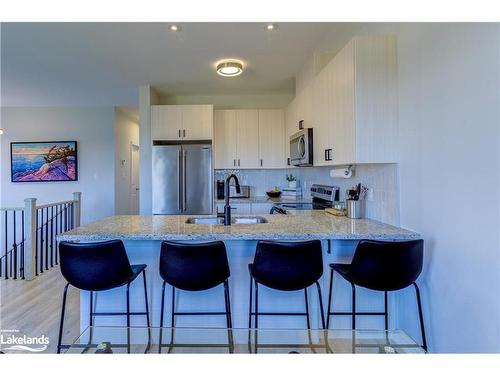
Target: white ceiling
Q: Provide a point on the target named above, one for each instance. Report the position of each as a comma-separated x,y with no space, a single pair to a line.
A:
104,63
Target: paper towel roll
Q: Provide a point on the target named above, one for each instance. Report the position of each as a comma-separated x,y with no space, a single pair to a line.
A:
341,173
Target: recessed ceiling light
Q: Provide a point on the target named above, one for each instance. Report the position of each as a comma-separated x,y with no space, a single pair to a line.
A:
1,131
229,68
271,27
174,28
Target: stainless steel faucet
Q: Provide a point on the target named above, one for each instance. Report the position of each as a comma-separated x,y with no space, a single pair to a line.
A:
227,207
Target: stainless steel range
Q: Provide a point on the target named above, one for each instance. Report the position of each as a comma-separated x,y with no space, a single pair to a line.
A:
323,196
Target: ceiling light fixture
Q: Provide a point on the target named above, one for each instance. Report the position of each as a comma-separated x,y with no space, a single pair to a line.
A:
174,28
271,27
229,68
1,131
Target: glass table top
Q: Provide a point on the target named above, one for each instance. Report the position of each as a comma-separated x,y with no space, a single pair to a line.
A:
178,340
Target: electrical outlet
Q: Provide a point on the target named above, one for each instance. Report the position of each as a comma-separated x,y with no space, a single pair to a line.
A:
369,195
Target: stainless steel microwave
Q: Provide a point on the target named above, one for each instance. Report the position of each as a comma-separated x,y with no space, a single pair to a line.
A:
301,148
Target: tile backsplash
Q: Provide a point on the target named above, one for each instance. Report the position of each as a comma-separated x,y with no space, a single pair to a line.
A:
382,178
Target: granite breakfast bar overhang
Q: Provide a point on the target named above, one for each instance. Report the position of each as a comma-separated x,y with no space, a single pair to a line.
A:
142,236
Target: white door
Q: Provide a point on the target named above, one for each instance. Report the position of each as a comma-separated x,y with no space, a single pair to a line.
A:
272,138
247,143
166,122
197,122
134,179
225,139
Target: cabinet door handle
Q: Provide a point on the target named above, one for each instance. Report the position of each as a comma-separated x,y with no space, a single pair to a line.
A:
238,162
179,133
234,162
261,162
184,133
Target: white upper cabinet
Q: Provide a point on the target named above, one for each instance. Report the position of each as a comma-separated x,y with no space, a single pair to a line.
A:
355,106
166,122
272,138
225,139
249,139
197,121
181,122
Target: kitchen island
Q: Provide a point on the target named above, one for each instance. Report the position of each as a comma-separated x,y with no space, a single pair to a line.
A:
142,236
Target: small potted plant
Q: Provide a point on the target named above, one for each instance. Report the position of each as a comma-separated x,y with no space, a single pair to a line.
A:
292,181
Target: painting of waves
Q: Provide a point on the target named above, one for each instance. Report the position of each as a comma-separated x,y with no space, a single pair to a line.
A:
43,161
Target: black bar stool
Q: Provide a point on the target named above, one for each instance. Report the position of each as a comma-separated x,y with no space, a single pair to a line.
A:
95,267
286,266
194,267
383,266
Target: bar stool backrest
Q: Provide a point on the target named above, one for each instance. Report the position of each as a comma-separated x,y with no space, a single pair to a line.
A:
95,266
287,265
194,267
383,265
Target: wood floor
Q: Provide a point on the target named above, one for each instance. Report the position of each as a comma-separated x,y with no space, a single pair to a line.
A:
34,307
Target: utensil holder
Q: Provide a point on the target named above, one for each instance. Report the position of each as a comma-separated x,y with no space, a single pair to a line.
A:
354,208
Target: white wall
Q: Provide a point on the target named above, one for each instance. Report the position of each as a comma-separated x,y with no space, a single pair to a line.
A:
449,125
126,134
92,128
147,98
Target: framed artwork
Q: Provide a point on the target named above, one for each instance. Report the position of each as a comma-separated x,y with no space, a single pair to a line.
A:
43,161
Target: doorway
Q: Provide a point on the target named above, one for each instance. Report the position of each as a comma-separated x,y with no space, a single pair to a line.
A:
134,179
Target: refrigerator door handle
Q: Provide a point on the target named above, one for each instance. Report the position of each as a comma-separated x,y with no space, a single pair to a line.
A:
184,152
179,168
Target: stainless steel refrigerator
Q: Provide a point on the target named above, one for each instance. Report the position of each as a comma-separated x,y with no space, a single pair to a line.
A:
182,179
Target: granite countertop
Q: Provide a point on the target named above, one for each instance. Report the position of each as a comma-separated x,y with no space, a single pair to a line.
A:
266,199
313,224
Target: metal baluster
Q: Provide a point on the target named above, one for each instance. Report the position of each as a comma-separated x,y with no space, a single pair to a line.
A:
41,240
36,243
65,217
21,269
57,232
51,236
46,238
6,255
14,246
71,216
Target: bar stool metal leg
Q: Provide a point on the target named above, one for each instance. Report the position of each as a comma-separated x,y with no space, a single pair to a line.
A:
61,324
330,291
250,315
256,314
320,297
386,318
172,323
307,310
148,346
128,318
161,315
91,322
353,306
421,317
228,316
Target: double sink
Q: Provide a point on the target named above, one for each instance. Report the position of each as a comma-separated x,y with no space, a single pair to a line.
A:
220,220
